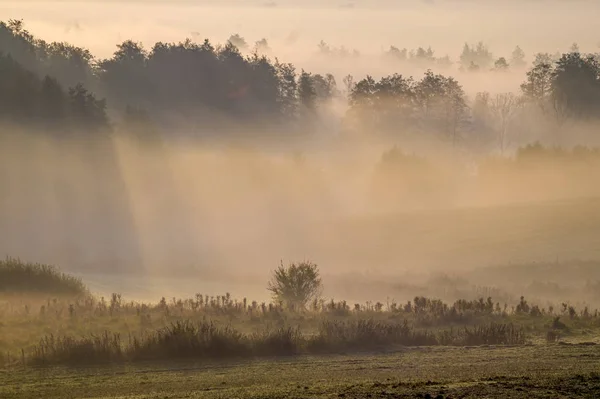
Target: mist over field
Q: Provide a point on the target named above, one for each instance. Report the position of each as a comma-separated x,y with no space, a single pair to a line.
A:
211,198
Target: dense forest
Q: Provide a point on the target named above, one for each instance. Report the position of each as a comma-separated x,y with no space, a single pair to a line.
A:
202,88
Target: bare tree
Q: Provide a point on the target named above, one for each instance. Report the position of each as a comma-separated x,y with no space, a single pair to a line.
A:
504,107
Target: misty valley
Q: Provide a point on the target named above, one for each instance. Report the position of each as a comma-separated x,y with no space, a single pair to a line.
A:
294,214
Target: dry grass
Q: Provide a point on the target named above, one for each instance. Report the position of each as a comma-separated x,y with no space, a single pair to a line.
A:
205,340
21,277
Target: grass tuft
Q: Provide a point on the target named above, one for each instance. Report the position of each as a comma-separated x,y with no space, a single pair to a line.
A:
21,277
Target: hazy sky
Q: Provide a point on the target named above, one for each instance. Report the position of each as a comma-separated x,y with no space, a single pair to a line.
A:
294,28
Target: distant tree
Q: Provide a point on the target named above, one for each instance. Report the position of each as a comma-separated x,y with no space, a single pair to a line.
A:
429,93
87,112
504,107
394,53
574,48
478,55
517,58
296,285
543,58
307,94
444,62
422,57
262,97
262,46
576,86
124,76
481,108
325,87
537,88
70,65
501,65
19,92
348,81
288,87
324,48
442,102
238,42
53,105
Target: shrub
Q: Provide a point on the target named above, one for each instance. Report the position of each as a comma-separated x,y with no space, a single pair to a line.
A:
557,324
296,285
17,276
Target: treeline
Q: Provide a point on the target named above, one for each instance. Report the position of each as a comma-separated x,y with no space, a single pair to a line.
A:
202,83
205,87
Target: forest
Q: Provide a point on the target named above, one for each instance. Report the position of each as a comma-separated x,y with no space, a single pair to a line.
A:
202,88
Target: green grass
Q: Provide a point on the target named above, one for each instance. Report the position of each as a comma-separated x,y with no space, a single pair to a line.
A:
547,371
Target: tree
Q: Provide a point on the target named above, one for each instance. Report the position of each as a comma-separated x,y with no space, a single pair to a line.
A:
307,94
394,53
53,108
478,55
456,107
238,41
87,112
296,285
124,76
576,86
325,87
537,87
574,48
504,107
262,46
501,65
517,58
288,85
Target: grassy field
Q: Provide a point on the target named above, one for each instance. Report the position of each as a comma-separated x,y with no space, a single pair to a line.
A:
549,371
59,341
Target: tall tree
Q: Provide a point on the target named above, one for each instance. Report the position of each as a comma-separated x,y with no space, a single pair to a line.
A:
537,88
307,95
576,86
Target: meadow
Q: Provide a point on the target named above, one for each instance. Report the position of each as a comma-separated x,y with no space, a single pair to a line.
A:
57,339
59,322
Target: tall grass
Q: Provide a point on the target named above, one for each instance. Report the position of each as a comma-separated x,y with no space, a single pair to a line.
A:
205,340
20,277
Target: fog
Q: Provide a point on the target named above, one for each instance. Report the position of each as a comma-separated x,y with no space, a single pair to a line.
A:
176,217
294,29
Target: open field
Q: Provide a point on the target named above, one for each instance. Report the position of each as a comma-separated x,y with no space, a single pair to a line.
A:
550,371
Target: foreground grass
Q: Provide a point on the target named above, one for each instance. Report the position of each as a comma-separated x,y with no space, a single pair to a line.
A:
185,340
547,371
91,330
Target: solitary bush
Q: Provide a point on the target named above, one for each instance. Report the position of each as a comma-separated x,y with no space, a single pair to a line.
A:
296,285
17,276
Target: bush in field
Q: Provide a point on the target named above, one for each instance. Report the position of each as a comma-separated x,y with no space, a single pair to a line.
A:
296,285
17,276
